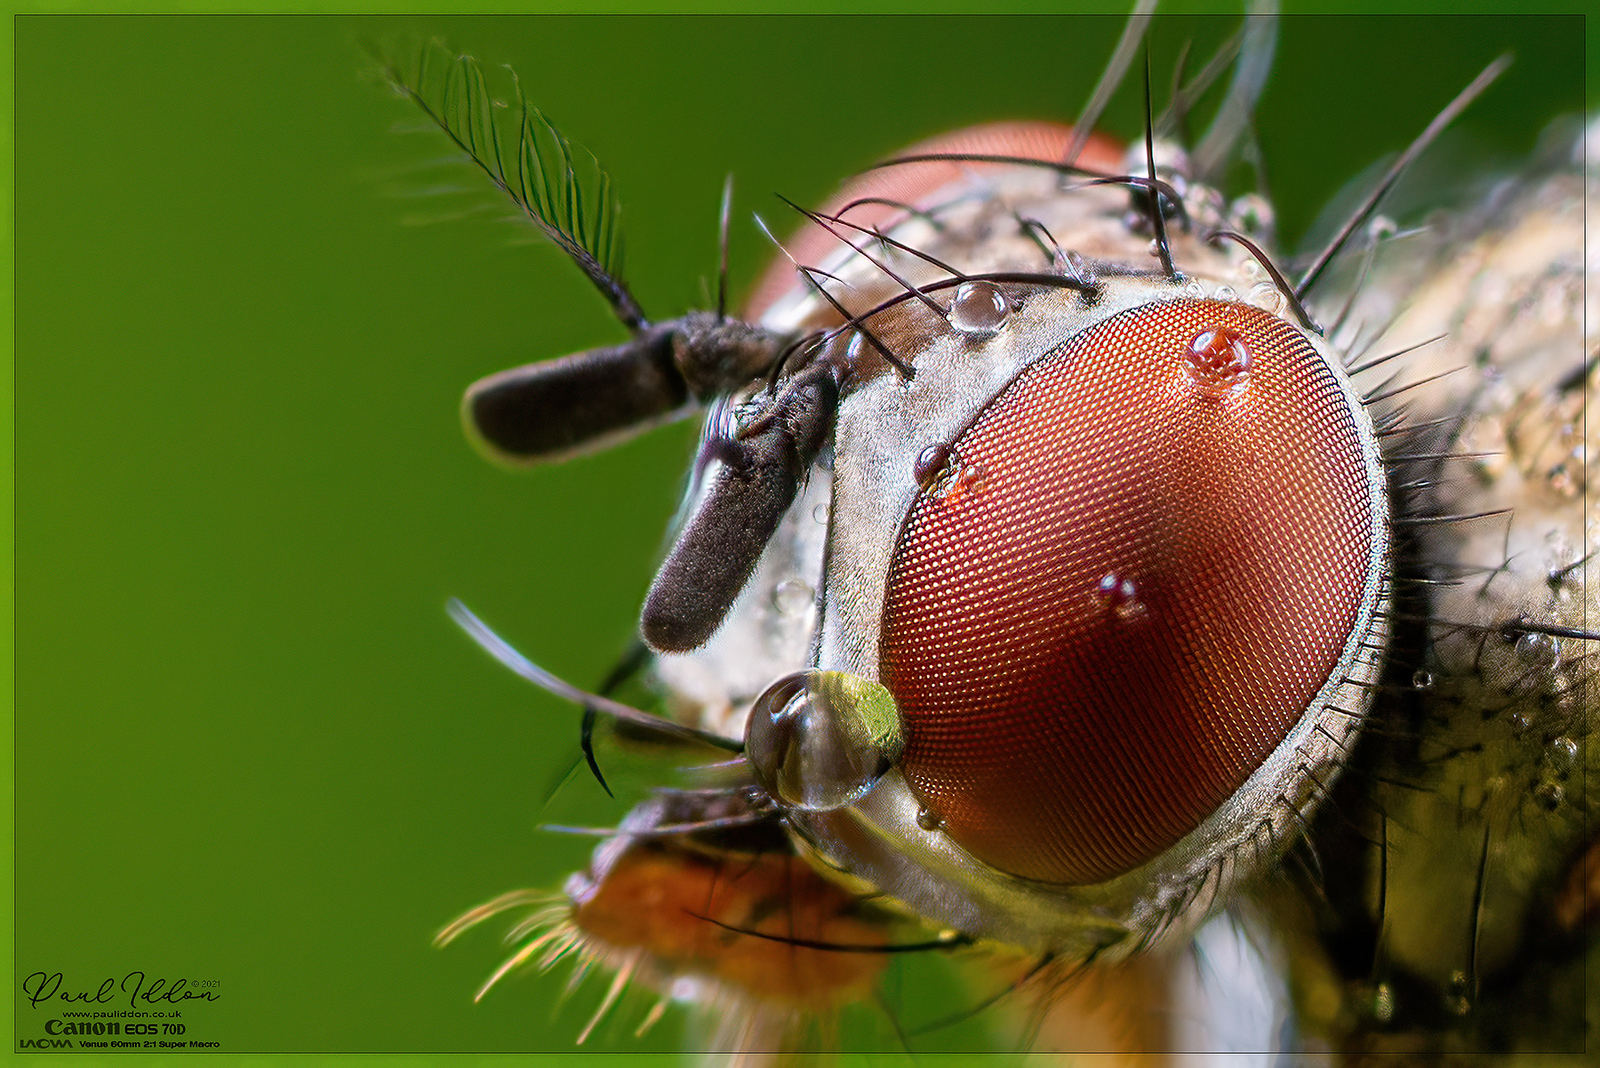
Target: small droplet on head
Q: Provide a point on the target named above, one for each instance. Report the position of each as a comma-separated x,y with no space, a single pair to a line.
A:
820,513
856,351
1563,755
1456,1000
1225,293
1383,1003
1549,795
978,308
1266,296
1538,648
932,465
1218,362
928,819
791,597
1422,680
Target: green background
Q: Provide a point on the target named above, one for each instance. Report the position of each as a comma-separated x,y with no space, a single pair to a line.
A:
250,745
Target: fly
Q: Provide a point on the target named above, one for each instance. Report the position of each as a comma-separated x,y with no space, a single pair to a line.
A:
1072,587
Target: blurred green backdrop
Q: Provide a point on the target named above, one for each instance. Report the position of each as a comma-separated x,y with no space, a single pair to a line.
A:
250,746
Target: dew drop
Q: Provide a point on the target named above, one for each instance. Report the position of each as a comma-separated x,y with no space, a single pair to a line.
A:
1194,288
1251,213
1538,649
820,513
1381,227
1225,293
1455,999
932,465
1266,296
972,478
1563,755
1121,596
1383,1003
1422,680
978,308
1218,362
791,597
857,349
928,819
1549,795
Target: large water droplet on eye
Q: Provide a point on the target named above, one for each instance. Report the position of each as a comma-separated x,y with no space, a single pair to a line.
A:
1120,596
792,597
932,465
928,819
978,308
1218,362
820,740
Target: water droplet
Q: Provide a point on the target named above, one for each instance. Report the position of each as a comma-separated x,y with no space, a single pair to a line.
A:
859,351
932,466
1194,288
972,478
1383,1003
1564,481
1538,649
1381,227
928,819
820,513
1218,362
1266,296
1121,596
1225,293
1422,680
1563,755
1455,998
978,308
791,597
1549,795
1250,213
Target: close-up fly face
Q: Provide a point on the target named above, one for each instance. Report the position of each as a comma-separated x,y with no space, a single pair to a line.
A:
1166,635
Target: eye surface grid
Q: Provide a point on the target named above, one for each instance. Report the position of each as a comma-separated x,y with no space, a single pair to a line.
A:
1097,645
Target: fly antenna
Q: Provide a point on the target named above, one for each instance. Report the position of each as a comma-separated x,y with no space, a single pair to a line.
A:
534,167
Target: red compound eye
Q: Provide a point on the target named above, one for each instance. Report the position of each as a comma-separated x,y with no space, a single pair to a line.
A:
1127,582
